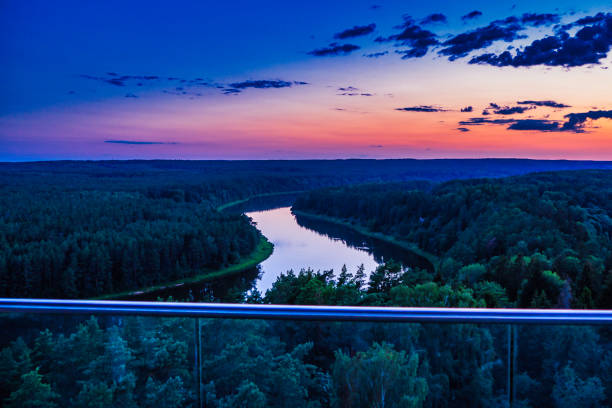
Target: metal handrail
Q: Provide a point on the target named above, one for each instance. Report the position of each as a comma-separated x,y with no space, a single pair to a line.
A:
287,312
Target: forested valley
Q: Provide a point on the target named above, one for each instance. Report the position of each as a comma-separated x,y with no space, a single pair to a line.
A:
85,229
81,229
538,240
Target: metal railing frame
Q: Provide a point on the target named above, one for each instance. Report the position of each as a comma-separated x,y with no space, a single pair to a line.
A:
290,312
509,317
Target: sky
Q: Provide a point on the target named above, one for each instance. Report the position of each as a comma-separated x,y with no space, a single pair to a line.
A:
305,80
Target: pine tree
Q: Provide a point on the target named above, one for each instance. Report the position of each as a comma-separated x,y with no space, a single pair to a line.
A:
33,393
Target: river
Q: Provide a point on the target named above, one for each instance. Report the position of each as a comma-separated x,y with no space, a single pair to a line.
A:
299,243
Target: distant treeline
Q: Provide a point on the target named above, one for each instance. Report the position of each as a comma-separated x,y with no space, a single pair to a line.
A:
540,240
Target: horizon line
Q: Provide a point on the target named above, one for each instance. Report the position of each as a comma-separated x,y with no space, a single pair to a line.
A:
304,159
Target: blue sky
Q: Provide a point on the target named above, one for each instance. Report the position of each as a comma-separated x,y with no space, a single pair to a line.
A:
52,50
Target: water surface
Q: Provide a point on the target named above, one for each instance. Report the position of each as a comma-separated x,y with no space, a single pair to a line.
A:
297,247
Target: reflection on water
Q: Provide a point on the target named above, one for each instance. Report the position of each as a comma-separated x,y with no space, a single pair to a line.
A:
297,247
381,251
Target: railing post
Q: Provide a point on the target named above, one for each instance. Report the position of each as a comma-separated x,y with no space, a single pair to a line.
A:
197,346
511,364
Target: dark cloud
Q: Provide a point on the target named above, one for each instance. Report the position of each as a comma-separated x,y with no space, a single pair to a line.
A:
376,146
597,18
120,80
352,91
506,30
376,54
463,129
375,6
334,49
467,109
231,91
537,20
185,86
589,45
421,108
356,31
511,110
413,36
535,124
505,110
237,87
180,91
116,79
112,81
550,104
484,121
472,15
434,18
135,142
462,44
575,121
261,84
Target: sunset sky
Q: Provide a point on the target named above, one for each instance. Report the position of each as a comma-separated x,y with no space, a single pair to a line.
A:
316,79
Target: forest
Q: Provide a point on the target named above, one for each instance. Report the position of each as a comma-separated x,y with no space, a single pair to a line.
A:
542,240
85,229
82,229
538,240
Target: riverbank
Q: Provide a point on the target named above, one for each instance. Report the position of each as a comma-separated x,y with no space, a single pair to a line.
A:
409,246
244,200
262,252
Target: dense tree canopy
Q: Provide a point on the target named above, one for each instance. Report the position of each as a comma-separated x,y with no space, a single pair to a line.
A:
546,239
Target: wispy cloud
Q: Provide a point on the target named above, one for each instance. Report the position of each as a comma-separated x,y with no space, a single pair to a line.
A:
139,142
550,104
462,44
352,91
376,54
434,18
188,87
237,87
472,15
484,121
334,49
421,108
356,31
